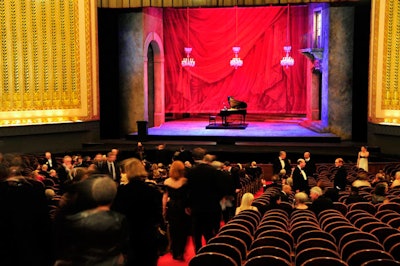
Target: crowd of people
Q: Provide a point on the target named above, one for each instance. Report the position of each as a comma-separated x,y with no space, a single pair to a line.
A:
107,211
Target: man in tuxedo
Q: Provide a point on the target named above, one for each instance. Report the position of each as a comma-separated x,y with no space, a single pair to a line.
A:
310,167
300,180
50,161
340,179
111,167
282,163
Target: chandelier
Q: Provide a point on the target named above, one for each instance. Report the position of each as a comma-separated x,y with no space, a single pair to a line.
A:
188,61
236,61
287,60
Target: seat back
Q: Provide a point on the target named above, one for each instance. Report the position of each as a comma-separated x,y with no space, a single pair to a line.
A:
212,258
267,260
223,248
362,256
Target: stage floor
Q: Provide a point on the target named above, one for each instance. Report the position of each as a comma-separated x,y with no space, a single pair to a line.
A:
195,129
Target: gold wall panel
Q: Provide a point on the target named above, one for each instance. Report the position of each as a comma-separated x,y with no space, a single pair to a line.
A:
384,94
48,68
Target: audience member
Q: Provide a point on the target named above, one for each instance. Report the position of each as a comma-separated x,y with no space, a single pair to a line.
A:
286,193
362,159
282,162
205,193
184,155
234,173
300,200
340,179
141,203
274,203
98,160
379,194
354,196
111,167
275,182
300,180
44,171
332,194
362,180
64,172
79,173
319,201
396,181
24,219
175,203
379,178
228,202
50,161
245,204
310,167
162,155
139,152
96,235
254,170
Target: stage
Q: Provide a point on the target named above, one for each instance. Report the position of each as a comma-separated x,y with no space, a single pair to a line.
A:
261,140
195,129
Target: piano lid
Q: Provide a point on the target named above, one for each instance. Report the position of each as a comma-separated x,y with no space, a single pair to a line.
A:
235,104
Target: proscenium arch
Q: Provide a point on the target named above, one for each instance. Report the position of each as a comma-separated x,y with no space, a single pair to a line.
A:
155,41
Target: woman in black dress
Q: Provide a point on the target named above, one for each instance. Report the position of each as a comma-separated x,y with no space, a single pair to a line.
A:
174,209
141,203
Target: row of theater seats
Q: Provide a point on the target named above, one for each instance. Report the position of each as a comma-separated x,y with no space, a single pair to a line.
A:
360,234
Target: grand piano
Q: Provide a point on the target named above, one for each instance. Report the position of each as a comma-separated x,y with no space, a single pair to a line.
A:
235,108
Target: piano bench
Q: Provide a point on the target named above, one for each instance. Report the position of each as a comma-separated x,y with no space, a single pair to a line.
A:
212,119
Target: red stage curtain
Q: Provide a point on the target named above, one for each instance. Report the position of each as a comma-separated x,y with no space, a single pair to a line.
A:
261,82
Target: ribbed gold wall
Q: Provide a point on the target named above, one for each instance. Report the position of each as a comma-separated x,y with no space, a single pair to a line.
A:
48,61
384,93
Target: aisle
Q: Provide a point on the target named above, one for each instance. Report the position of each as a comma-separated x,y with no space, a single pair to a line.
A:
167,260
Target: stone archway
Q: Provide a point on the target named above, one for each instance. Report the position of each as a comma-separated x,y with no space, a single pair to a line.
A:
158,102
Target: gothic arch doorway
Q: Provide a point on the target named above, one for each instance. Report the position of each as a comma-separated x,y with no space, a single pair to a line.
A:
154,102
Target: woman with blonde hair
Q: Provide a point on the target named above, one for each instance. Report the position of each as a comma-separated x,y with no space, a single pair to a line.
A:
245,204
175,209
141,203
300,200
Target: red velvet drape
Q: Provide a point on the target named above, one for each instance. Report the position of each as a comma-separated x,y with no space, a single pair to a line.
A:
261,82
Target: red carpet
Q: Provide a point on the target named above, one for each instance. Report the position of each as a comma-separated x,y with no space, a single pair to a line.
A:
167,260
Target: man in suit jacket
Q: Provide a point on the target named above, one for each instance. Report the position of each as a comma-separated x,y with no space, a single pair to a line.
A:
281,163
206,189
340,179
300,180
310,167
286,193
111,167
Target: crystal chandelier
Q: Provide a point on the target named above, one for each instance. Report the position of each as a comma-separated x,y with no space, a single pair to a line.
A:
236,61
188,61
287,60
